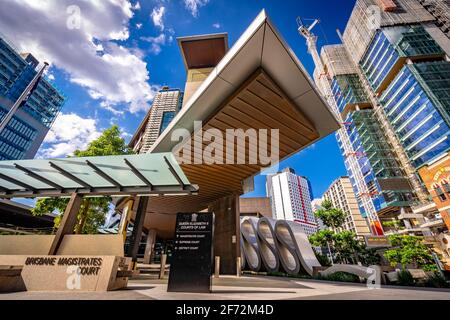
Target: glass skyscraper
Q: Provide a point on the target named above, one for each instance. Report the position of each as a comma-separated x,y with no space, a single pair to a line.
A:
29,125
408,68
389,84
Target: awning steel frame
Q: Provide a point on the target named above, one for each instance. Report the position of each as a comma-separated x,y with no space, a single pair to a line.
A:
54,189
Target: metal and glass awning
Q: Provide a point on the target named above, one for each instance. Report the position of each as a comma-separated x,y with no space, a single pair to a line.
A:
145,174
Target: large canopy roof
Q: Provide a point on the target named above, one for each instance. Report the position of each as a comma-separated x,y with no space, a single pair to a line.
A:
146,174
259,84
261,46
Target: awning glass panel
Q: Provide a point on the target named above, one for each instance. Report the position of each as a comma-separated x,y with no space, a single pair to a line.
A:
156,173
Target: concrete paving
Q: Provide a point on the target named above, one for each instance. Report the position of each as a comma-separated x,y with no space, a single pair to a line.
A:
246,287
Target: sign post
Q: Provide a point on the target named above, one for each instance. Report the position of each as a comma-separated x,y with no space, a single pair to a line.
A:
191,261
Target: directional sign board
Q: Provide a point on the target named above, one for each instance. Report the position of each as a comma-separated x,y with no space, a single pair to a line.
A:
191,262
377,241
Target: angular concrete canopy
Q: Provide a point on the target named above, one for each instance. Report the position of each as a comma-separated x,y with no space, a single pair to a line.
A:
260,46
259,84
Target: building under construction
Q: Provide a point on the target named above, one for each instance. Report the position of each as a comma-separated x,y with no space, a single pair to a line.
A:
389,83
440,9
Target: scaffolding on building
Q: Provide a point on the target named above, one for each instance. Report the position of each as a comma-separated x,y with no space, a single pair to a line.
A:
352,164
331,55
367,17
356,38
440,9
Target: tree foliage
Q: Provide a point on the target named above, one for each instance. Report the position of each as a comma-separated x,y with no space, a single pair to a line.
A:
331,217
409,250
346,246
321,238
93,210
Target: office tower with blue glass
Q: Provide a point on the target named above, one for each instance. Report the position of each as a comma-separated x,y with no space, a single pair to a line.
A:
29,124
389,83
378,179
413,87
402,58
166,104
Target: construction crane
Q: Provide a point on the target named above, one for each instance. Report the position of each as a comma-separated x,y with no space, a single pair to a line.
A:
325,87
311,38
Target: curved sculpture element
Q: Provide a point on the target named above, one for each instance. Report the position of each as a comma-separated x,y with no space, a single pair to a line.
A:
243,262
267,244
372,272
295,247
250,243
286,249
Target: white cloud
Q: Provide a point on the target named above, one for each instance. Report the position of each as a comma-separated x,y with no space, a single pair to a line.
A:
216,25
157,16
125,134
69,133
157,42
138,25
105,105
194,5
114,74
137,6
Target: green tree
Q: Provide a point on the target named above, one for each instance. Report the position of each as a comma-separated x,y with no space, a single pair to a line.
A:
409,250
331,217
347,244
93,210
323,238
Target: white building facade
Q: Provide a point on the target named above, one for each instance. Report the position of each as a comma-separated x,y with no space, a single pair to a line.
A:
290,197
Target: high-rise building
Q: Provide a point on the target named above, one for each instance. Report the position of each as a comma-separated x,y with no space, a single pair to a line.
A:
340,194
30,122
290,197
316,204
166,104
413,87
404,61
388,82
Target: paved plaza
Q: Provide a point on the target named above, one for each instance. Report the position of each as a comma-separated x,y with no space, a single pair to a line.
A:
246,287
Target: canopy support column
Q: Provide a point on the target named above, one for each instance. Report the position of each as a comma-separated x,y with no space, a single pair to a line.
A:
150,245
125,218
68,221
137,229
227,232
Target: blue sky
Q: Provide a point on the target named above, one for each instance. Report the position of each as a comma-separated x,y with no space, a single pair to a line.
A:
110,67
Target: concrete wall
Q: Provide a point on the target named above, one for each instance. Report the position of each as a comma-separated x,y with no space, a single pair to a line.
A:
71,245
195,78
259,205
